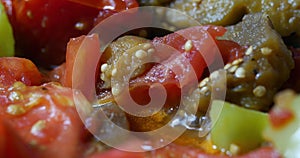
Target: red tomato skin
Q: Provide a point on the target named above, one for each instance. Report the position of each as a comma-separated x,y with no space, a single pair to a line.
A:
231,50
90,47
14,69
48,25
62,129
177,41
178,151
280,117
10,142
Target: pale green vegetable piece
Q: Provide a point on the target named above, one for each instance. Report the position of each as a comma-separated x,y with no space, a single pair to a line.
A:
286,137
236,128
6,35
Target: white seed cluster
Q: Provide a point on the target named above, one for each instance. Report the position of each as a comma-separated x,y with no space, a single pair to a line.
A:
108,70
138,53
240,73
249,51
34,99
259,91
214,80
20,101
234,67
188,45
204,82
104,67
234,149
266,51
15,96
141,54
37,128
15,109
114,72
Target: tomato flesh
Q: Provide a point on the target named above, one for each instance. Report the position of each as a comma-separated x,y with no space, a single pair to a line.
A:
48,25
14,69
45,119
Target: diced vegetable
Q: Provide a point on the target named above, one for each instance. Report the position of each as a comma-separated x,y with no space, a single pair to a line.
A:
14,69
284,128
43,28
236,129
267,63
284,14
42,120
6,35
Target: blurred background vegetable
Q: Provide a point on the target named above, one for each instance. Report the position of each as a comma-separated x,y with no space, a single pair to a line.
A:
7,47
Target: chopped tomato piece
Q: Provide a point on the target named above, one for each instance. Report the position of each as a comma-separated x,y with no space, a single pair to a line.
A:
14,69
90,50
43,28
231,50
280,117
44,117
10,142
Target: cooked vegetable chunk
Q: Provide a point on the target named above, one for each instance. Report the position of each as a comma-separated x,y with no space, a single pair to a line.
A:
112,54
6,35
13,69
237,129
285,14
267,63
253,80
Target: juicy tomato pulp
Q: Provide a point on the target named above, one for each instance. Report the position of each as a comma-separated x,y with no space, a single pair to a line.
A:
14,69
47,26
36,121
44,117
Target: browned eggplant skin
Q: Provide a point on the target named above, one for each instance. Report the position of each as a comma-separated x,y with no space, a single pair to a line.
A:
285,14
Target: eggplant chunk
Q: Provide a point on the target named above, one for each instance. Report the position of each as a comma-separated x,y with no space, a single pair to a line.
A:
253,80
285,14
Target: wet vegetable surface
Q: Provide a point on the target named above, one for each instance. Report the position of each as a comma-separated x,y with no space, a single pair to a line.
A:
38,117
